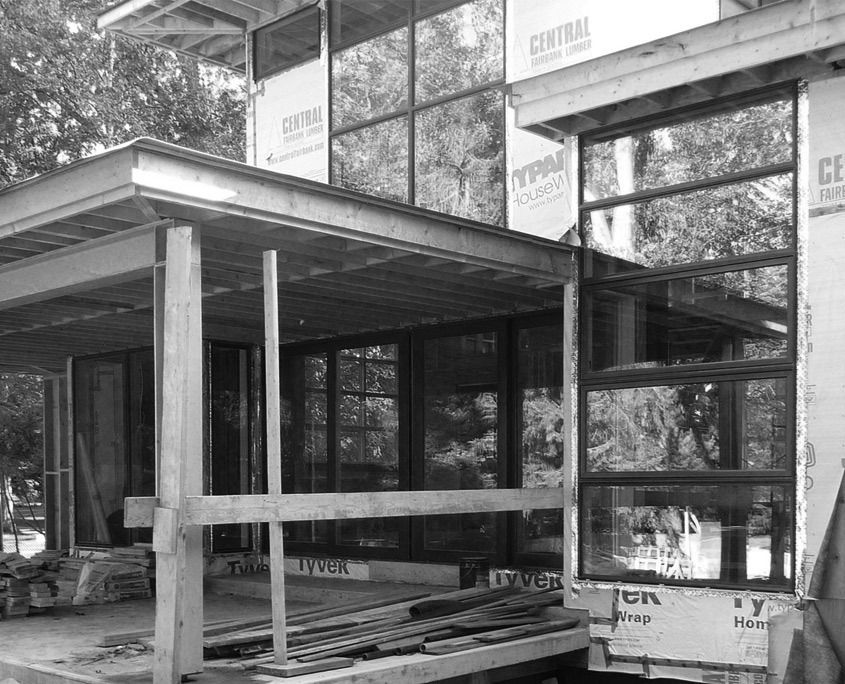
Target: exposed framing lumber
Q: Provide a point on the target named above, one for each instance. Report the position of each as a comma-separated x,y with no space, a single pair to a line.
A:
96,263
260,195
739,43
246,508
178,549
393,265
95,182
273,395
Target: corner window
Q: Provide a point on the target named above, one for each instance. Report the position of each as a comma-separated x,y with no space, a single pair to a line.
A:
417,106
688,347
288,42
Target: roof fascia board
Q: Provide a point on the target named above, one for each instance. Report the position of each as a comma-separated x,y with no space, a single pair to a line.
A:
105,261
772,33
80,186
270,198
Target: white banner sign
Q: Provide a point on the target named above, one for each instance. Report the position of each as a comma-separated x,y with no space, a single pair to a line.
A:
291,125
827,145
546,35
540,192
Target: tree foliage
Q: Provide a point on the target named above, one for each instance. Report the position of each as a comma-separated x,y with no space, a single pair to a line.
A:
21,433
67,90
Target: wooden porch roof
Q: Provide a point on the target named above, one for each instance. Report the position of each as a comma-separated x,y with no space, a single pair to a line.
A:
78,246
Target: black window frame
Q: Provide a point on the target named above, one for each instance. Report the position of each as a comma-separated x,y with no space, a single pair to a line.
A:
411,462
414,15
331,348
137,535
311,54
124,358
738,370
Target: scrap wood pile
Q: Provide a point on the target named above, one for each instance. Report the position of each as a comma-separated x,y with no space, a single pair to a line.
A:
51,578
447,623
124,573
24,588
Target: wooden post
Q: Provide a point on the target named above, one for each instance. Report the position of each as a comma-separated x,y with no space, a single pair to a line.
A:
571,429
274,452
179,556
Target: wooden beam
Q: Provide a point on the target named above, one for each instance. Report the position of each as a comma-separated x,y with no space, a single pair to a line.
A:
178,639
264,196
96,263
273,396
570,432
80,186
745,41
247,508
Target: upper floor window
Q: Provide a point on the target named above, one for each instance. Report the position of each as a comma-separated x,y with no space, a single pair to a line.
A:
288,42
417,110
693,188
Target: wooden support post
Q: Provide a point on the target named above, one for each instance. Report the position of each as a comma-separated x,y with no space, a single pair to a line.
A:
570,432
178,635
274,452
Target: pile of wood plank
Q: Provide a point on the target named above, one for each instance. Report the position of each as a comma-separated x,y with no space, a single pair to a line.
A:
446,623
108,582
24,588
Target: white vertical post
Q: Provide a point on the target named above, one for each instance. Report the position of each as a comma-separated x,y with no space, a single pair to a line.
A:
178,635
570,462
274,452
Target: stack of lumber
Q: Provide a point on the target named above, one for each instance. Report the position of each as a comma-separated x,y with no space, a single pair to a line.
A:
48,559
17,566
447,623
16,597
137,554
44,594
15,574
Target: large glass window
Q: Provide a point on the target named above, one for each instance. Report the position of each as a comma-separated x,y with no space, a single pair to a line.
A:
341,432
736,534
304,436
687,360
368,439
541,433
420,119
230,438
288,42
485,411
102,475
115,440
461,434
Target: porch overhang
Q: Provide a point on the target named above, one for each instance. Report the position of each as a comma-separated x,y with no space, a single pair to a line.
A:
78,247
770,45
211,30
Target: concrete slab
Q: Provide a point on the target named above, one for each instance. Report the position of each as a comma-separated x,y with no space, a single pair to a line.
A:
60,645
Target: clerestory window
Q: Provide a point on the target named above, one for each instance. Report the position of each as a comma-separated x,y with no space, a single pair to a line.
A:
417,103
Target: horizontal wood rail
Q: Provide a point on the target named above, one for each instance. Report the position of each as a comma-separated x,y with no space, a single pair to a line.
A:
250,508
